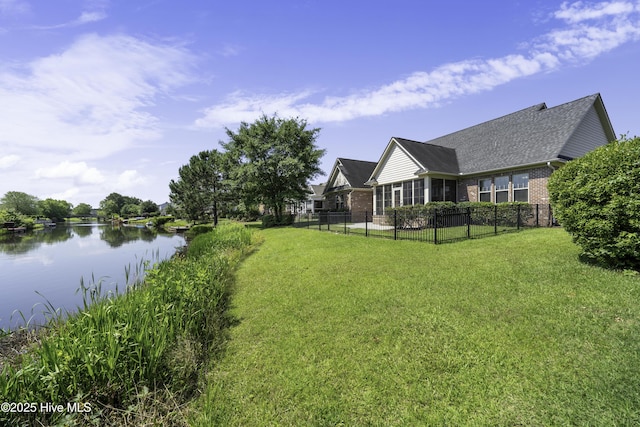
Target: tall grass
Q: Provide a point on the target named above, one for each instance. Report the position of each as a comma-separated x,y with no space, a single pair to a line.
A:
155,336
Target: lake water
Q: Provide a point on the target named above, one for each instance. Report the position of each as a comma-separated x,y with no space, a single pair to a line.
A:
53,261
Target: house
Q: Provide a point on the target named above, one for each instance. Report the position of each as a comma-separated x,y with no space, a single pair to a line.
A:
503,160
346,188
315,201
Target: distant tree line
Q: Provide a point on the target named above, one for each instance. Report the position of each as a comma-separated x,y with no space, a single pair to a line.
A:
269,162
16,206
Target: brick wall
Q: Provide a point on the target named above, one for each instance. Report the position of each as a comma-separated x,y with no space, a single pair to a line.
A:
360,201
538,177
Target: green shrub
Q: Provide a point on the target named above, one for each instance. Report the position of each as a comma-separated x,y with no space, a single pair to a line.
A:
480,213
159,221
197,230
596,198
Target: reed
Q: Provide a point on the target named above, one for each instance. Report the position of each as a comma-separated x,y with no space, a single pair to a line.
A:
157,334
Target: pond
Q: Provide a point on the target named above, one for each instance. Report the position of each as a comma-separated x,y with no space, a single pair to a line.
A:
41,270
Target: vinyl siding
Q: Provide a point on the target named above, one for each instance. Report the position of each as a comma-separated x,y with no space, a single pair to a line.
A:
397,167
588,136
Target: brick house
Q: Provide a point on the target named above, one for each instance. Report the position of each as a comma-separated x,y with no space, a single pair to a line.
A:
503,160
346,189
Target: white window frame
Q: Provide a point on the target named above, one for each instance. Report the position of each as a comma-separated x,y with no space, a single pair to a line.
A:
519,186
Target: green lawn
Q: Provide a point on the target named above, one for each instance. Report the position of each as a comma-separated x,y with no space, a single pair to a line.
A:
506,330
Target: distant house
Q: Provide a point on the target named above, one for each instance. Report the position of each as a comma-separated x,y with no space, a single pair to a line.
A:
346,188
503,160
315,201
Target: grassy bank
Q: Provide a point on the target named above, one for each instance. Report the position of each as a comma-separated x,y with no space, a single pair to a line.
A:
134,358
508,330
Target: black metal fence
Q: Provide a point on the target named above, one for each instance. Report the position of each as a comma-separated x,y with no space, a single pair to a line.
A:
431,224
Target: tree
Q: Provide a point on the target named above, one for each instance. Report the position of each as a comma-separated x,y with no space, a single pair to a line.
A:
82,210
114,202
596,198
275,159
130,210
202,186
56,210
149,208
19,202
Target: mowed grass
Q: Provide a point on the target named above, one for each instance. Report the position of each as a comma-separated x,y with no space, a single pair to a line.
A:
507,330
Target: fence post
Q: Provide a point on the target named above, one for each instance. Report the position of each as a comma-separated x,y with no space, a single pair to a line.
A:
395,225
345,222
435,226
518,219
366,224
468,222
495,219
537,215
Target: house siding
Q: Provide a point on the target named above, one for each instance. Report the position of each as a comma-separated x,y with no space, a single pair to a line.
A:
397,167
588,136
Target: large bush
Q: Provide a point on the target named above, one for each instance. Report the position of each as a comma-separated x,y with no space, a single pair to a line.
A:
597,200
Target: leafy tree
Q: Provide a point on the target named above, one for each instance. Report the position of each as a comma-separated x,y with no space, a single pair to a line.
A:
109,207
129,210
56,210
597,200
83,210
114,202
202,186
275,159
149,208
20,202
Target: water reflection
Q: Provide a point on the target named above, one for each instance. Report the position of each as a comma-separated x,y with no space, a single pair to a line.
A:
115,236
52,261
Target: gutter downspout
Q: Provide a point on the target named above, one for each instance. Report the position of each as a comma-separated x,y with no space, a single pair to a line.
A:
551,217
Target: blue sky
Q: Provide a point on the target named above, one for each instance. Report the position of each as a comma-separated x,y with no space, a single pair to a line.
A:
99,96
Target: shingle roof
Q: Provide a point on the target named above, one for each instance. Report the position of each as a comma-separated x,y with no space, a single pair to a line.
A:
356,172
533,135
434,158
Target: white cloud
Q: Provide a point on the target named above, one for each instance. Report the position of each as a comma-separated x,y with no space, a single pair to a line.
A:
84,18
90,100
14,7
8,161
611,24
129,179
579,11
80,171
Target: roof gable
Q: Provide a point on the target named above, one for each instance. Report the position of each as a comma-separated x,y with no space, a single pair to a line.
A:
349,173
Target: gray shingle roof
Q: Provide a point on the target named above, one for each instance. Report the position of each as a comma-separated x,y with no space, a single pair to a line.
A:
434,158
533,135
356,172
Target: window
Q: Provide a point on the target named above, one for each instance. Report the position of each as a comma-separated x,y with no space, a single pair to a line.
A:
340,201
502,189
387,196
379,199
418,191
443,190
437,190
318,204
407,193
450,190
484,188
521,187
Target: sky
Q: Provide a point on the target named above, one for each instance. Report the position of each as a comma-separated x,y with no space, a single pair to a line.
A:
101,96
